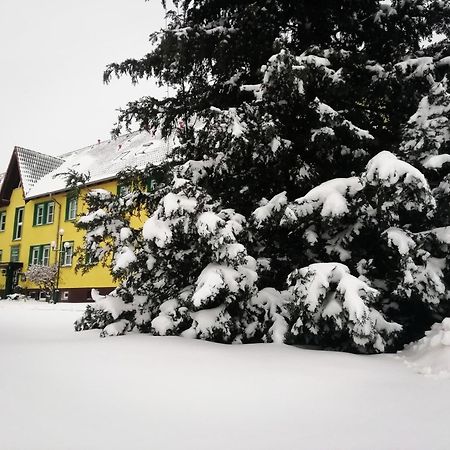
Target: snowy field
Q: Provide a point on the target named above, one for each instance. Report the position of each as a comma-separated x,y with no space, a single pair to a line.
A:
64,390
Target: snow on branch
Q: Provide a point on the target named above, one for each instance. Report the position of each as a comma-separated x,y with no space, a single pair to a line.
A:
388,169
328,299
330,198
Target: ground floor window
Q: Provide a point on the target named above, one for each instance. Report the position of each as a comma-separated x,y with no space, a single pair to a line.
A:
67,254
40,255
15,253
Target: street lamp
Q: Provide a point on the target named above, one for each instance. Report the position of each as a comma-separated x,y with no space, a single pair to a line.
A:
59,250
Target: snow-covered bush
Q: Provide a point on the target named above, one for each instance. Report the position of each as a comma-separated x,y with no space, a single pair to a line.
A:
331,307
42,276
367,223
190,273
93,318
105,314
270,316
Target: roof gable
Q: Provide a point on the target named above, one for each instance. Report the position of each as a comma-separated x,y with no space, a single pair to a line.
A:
25,168
33,166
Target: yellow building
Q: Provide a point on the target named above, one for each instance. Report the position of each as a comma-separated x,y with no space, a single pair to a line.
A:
38,213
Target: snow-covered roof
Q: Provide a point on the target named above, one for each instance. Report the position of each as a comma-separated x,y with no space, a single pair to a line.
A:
103,161
25,168
33,166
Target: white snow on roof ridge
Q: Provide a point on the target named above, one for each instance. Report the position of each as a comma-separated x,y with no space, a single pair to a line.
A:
104,160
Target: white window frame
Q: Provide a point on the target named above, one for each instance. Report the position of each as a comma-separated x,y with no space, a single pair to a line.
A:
45,255
67,256
19,224
35,260
50,212
72,209
65,295
40,214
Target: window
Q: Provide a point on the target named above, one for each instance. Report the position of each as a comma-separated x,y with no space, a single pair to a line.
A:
15,253
65,295
46,255
71,208
39,215
151,184
34,257
1,255
67,254
40,255
44,213
2,220
123,190
91,258
50,212
18,224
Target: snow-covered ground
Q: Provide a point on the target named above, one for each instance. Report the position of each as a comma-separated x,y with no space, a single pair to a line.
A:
64,390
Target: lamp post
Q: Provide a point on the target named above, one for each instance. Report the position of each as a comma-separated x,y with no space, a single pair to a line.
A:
59,250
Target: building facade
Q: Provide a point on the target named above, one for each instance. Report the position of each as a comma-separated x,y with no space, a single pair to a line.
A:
38,213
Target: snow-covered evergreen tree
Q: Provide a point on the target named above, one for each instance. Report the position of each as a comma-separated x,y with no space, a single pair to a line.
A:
309,137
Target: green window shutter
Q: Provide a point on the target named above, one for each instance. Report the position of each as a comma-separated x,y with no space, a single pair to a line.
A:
67,207
41,253
35,215
44,213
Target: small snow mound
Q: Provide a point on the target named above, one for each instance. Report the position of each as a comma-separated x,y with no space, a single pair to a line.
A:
431,354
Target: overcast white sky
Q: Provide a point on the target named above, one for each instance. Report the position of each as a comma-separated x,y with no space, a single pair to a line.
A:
52,57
